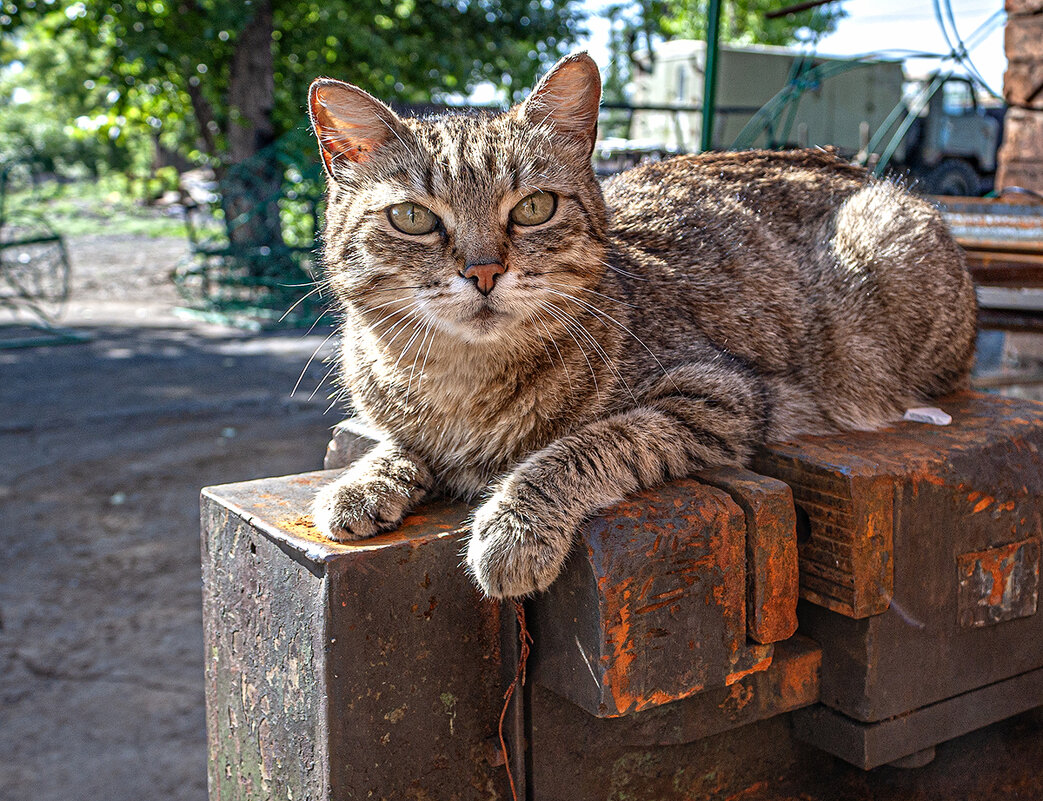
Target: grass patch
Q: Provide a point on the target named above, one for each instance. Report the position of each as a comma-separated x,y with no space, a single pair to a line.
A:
91,207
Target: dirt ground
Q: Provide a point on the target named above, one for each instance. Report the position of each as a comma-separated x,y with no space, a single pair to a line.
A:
104,447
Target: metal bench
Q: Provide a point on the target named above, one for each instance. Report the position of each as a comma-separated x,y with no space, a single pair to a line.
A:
34,274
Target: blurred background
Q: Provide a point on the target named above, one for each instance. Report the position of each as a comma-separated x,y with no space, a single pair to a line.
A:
160,327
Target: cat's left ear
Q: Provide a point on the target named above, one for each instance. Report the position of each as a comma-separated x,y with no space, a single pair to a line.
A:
349,123
567,99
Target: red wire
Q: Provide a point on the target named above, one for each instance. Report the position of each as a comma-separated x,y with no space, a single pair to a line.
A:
519,680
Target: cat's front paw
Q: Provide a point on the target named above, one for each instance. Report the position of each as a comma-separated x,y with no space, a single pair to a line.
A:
516,548
353,510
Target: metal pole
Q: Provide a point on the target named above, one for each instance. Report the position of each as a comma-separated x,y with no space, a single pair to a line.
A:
713,24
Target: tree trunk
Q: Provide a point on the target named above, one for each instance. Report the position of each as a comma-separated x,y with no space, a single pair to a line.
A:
252,183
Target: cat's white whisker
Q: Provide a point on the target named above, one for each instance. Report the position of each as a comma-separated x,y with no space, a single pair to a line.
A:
604,315
593,292
311,358
568,330
323,380
531,317
372,329
412,369
390,302
298,302
401,325
418,327
621,271
423,367
582,330
316,321
564,366
362,293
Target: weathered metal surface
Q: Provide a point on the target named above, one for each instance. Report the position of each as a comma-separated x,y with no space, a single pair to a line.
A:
992,223
771,550
349,441
685,750
869,745
771,575
265,654
651,607
1028,321
1005,266
998,584
343,671
1003,241
846,508
967,488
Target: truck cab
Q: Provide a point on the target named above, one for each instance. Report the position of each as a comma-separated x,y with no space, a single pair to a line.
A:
952,146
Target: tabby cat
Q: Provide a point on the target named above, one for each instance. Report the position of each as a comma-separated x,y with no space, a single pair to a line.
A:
520,333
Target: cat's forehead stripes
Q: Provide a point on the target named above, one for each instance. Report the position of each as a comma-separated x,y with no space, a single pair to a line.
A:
464,157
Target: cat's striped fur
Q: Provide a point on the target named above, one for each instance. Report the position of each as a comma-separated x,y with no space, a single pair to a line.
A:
687,313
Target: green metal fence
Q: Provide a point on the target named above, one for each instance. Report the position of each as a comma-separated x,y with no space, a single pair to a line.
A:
257,266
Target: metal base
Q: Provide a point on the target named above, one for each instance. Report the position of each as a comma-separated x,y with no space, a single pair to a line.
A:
918,760
868,745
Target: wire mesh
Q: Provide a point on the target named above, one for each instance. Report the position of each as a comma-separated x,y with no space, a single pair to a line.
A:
260,262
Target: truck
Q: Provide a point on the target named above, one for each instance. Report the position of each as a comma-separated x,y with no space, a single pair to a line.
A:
946,139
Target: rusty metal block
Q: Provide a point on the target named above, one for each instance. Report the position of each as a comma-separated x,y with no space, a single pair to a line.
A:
651,607
998,584
869,745
967,510
846,487
771,550
845,512
770,588
368,670
349,441
679,751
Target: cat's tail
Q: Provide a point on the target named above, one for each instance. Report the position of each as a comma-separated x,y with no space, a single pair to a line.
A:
918,297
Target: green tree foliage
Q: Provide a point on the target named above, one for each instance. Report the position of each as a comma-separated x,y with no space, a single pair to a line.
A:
51,123
167,66
637,24
746,22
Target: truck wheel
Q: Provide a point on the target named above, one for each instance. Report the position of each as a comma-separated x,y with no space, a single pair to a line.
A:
952,177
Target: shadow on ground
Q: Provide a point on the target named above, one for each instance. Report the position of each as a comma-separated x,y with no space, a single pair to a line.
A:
104,447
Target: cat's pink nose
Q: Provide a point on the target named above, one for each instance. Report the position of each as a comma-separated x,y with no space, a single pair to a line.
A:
484,275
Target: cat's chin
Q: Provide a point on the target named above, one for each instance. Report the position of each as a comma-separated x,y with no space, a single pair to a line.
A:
483,326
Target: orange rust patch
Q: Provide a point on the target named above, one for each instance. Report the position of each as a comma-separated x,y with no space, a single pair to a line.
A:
740,695
422,520
303,527
757,667
752,790
665,599
983,504
618,673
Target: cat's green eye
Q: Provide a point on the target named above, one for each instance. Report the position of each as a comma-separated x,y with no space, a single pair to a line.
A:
535,209
412,218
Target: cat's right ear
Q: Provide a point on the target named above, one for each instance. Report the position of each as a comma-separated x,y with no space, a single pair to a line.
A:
349,123
567,100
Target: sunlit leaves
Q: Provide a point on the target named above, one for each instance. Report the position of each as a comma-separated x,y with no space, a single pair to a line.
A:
168,60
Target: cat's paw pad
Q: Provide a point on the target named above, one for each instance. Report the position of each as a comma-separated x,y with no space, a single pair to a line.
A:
356,510
512,552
